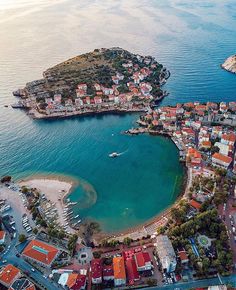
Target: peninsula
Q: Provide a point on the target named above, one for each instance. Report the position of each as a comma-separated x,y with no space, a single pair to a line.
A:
230,64
105,80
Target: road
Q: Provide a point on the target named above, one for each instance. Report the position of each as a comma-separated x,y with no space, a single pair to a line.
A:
198,284
21,264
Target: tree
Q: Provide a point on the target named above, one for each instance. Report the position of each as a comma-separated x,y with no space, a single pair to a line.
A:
6,178
127,241
35,231
22,238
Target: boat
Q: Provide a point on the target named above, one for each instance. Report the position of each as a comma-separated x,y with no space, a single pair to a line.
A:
76,216
18,105
114,154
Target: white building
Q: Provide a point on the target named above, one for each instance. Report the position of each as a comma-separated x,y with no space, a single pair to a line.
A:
224,149
166,253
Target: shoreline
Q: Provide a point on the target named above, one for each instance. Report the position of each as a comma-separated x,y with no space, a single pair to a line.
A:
56,188
39,116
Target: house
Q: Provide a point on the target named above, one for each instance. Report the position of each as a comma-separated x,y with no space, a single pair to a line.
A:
97,100
41,253
228,139
97,87
166,253
108,273
224,149
22,284
143,261
195,204
82,87
217,287
219,159
119,271
73,281
96,271
8,275
194,157
205,144
115,80
76,281
183,257
79,102
2,237
132,272
223,107
57,99
188,132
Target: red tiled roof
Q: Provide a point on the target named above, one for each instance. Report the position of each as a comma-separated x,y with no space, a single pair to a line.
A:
229,137
107,271
41,252
96,268
76,281
195,204
183,256
221,157
142,258
132,271
119,268
2,235
8,274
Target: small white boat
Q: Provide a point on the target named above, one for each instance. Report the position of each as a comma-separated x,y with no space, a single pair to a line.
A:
76,216
114,154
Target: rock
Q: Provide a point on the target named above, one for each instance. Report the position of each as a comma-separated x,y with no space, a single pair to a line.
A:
230,64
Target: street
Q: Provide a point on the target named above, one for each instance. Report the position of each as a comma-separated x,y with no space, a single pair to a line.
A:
197,284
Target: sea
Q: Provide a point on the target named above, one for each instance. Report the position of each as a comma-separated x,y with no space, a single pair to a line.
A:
190,38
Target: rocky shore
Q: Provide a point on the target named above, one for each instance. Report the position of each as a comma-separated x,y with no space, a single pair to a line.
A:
230,64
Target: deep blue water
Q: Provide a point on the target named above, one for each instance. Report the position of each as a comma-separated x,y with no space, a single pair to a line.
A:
191,38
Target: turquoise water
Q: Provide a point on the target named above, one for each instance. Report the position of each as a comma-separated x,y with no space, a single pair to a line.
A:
191,38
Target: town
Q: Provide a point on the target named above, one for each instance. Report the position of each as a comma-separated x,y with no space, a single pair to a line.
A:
132,83
191,245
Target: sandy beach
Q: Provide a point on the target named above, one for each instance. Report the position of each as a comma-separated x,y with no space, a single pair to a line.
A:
55,188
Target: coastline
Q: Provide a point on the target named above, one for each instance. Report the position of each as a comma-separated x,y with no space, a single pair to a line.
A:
56,188
39,116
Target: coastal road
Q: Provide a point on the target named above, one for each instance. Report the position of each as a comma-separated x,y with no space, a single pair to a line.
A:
198,284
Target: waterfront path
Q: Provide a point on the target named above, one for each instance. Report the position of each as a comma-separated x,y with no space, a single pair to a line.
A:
198,284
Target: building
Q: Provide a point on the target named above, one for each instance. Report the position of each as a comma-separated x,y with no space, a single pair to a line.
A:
119,271
183,257
108,273
2,237
194,157
76,281
96,271
40,252
166,253
8,275
224,148
143,261
132,271
195,204
22,284
218,287
219,159
72,281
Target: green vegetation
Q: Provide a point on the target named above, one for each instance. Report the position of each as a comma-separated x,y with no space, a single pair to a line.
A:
6,178
22,238
72,243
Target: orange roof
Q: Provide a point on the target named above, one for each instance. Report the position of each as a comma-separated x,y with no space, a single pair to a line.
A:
221,157
195,204
183,256
206,143
119,268
41,252
229,137
8,274
192,152
2,235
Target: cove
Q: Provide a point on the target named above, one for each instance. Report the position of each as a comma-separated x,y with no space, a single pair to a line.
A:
119,193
